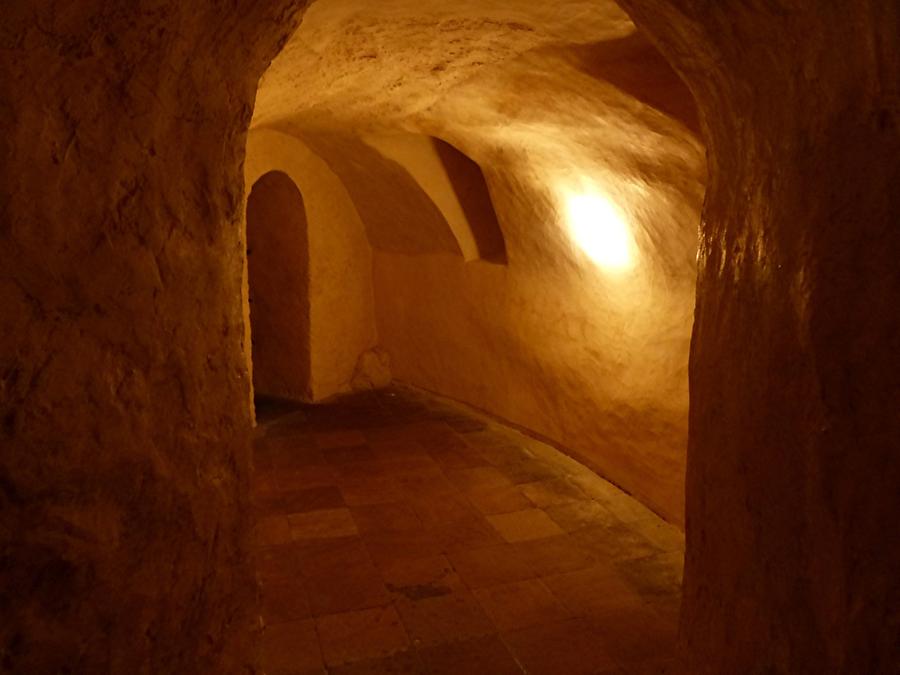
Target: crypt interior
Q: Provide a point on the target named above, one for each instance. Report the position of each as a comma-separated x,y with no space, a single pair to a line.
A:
450,337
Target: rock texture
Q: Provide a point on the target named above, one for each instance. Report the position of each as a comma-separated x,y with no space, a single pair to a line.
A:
123,391
552,104
793,473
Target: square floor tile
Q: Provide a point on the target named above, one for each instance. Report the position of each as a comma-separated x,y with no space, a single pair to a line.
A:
578,515
637,635
364,634
520,604
478,477
283,600
312,499
385,518
597,590
554,555
419,578
618,542
570,647
272,531
325,524
402,663
447,618
494,500
289,648
524,525
370,490
549,492
480,656
491,565
339,438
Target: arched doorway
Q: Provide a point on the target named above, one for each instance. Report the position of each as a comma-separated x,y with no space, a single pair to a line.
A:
278,271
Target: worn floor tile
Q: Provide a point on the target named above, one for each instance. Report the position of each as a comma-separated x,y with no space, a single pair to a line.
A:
446,618
553,555
420,578
360,635
325,524
479,656
494,500
490,565
291,648
524,525
568,647
520,604
404,530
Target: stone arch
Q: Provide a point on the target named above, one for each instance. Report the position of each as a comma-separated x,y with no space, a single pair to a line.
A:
278,288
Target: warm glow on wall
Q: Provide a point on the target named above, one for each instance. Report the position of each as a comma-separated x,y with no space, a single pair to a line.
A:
601,230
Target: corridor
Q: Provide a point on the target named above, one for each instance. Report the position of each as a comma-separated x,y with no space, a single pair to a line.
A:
400,533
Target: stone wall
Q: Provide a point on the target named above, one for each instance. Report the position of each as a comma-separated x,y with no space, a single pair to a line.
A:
123,388
793,471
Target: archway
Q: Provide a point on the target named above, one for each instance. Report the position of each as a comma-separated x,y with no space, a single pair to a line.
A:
278,271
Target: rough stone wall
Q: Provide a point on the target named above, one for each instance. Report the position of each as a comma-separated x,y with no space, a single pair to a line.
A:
341,299
793,471
123,390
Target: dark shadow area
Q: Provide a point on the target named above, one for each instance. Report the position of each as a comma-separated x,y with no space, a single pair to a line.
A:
278,270
472,192
636,67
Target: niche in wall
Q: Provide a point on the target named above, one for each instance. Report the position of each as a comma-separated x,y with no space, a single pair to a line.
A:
278,272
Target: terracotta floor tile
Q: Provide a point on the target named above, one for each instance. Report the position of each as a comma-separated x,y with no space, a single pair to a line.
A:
549,492
595,591
325,524
573,516
291,648
655,575
480,656
618,542
528,471
490,566
524,525
661,534
349,454
313,475
637,635
360,635
402,663
419,578
447,618
284,599
404,504
312,499
339,438
443,509
383,518
386,547
520,604
272,531
554,555
563,648
455,459
478,477
468,534
494,500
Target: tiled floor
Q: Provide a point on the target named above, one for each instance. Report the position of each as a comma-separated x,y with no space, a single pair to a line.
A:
398,533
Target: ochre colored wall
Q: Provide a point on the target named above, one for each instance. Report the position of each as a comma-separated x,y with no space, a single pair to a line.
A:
340,297
278,272
124,424
793,466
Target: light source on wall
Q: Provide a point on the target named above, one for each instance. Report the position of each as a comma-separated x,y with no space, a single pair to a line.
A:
600,229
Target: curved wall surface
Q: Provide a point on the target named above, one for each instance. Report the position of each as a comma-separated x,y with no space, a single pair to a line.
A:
341,299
